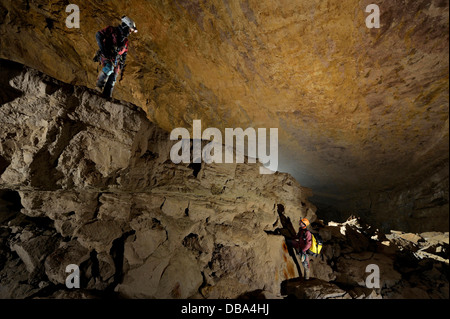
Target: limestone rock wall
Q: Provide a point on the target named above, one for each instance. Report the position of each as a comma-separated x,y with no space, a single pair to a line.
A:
89,182
358,109
415,208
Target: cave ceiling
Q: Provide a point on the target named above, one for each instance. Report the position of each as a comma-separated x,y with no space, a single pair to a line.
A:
356,108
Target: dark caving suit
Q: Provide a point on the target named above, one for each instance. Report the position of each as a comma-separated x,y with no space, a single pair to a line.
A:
113,48
301,243
112,53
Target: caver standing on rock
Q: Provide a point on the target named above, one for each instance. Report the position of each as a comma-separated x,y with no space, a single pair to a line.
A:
113,48
301,243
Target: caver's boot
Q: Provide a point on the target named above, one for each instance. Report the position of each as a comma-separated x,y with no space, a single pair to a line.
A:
101,81
109,86
306,273
305,264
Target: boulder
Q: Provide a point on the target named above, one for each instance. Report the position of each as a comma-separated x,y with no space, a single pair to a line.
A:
351,269
33,250
313,289
68,253
99,234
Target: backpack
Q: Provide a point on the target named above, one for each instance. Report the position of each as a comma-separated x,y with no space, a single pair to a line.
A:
316,244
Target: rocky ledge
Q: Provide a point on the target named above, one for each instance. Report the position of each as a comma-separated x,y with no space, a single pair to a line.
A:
89,182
